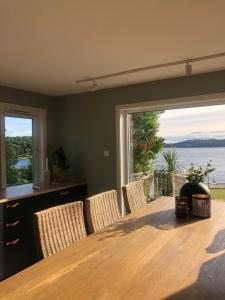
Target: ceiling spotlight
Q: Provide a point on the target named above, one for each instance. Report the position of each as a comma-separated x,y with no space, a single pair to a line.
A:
94,86
188,69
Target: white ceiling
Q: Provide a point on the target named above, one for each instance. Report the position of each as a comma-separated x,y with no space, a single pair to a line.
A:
45,45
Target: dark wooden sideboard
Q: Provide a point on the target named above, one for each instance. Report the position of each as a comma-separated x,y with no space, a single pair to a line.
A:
17,205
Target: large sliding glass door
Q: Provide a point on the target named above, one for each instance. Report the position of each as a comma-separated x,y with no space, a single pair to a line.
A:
141,145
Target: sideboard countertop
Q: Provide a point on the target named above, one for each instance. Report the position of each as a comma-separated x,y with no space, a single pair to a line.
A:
27,190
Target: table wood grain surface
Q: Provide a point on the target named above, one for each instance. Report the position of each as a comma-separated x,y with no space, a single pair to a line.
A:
147,255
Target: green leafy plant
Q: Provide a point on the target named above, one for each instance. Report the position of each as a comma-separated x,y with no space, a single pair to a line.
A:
59,159
171,165
198,174
145,144
171,160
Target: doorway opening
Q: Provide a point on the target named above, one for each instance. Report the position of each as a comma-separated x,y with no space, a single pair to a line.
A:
145,149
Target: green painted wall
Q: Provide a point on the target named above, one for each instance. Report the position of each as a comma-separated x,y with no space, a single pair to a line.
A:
21,97
87,122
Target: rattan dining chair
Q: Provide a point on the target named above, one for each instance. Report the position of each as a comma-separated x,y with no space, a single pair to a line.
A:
148,180
134,195
59,227
178,180
102,210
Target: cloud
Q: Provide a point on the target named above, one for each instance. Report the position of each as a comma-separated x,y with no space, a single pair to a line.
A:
193,123
218,131
18,126
192,112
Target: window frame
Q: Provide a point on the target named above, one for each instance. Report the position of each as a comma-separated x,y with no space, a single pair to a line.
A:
39,134
122,136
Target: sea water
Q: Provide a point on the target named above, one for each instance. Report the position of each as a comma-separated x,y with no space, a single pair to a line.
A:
200,157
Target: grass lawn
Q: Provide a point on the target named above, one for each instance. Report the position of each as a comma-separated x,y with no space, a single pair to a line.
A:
218,194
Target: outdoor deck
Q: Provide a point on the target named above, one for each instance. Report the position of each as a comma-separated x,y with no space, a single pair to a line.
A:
147,255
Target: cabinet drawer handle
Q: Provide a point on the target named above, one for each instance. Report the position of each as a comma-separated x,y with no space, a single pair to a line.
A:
12,243
14,205
13,224
64,193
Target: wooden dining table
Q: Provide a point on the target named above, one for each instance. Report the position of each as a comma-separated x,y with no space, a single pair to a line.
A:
149,254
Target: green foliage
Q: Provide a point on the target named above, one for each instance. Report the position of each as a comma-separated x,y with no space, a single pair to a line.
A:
22,146
171,158
59,159
162,184
198,174
145,144
18,148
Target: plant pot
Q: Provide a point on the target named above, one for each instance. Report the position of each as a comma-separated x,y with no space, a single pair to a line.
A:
189,189
59,175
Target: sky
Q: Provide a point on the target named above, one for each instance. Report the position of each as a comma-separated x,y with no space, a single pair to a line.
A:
192,123
18,126
175,125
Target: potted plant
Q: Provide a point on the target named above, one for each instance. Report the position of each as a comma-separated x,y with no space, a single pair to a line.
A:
60,165
196,178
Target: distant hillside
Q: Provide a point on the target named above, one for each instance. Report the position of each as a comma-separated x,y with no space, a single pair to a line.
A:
197,144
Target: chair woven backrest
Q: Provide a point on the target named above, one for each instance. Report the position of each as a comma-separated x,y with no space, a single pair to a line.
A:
178,180
59,227
102,210
147,181
134,195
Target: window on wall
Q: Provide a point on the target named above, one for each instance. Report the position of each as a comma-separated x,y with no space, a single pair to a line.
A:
18,150
23,146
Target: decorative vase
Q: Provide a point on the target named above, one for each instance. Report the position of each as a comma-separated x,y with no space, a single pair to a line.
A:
191,188
58,174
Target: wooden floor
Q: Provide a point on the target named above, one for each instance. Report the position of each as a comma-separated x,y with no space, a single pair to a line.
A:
148,255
